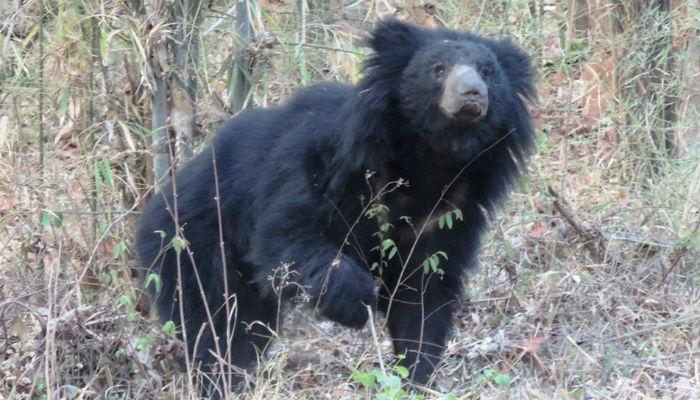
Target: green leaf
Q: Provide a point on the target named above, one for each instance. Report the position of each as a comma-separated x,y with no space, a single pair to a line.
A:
448,217
63,104
144,343
124,300
104,45
155,278
690,241
103,228
45,218
120,354
458,214
169,329
502,380
106,169
98,177
434,262
441,221
119,249
392,252
376,209
426,266
389,381
179,243
387,244
401,370
50,218
367,379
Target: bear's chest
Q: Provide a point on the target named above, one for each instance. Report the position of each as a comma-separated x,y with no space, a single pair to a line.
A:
423,198
431,180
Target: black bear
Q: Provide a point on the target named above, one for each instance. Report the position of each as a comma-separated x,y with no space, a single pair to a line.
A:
372,195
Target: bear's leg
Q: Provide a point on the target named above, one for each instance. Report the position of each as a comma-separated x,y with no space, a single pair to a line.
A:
419,318
339,286
252,321
250,316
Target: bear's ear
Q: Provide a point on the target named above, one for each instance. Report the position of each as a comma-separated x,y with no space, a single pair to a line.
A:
392,35
394,44
517,65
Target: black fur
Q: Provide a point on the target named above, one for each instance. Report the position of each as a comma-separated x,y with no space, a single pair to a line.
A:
291,180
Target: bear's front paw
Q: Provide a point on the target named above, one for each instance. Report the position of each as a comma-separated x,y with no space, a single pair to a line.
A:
346,294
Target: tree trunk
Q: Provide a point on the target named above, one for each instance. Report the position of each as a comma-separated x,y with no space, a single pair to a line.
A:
646,73
689,138
186,15
240,86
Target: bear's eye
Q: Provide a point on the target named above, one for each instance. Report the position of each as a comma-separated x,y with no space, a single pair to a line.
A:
439,70
485,71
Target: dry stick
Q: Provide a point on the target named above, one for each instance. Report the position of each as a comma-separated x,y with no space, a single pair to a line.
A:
679,254
207,310
329,48
50,361
181,306
172,213
175,215
375,339
593,233
202,294
557,205
659,326
447,187
424,287
229,334
41,90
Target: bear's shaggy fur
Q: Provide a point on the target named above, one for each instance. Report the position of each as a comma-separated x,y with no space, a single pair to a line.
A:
301,184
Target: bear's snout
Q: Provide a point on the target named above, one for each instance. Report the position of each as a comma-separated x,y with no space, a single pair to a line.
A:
465,95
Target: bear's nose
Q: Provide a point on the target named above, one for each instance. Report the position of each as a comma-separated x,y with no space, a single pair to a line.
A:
470,84
471,91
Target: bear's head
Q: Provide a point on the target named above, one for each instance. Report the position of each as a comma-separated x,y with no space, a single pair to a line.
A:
450,80
448,85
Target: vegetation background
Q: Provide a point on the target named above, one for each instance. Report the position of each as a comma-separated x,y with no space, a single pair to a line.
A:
589,286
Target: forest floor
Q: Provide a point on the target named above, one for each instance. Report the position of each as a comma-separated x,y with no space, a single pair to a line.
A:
589,278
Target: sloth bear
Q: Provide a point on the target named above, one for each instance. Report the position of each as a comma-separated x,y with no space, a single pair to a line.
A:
371,195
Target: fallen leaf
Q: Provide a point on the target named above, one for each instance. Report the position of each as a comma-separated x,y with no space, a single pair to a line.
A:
537,231
531,345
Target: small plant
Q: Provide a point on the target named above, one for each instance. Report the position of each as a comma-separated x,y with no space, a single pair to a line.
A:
144,343
387,385
169,329
490,375
432,263
446,218
387,247
50,218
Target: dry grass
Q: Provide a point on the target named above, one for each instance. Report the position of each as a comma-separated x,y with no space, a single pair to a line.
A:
589,286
